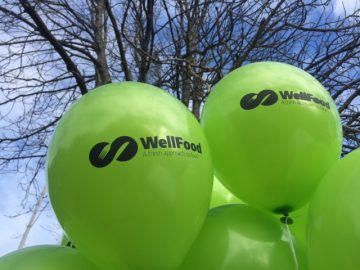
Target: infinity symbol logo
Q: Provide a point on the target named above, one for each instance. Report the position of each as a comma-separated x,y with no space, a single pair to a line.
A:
99,158
265,98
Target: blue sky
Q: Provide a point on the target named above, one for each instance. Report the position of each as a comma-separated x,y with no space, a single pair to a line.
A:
47,230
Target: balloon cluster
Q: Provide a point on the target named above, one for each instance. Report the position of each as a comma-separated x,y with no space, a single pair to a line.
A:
130,176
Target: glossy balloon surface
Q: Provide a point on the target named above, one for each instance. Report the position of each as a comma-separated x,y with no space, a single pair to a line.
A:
334,218
241,237
300,224
221,195
274,131
46,258
130,177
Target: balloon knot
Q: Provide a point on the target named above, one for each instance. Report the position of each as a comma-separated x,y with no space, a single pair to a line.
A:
286,219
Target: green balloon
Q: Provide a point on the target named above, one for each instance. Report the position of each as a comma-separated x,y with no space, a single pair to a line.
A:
130,177
300,223
240,237
334,218
274,131
46,258
220,195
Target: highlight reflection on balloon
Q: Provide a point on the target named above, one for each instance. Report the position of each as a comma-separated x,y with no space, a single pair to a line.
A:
221,195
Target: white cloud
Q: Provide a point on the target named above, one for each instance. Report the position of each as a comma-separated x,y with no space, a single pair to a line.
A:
345,6
45,231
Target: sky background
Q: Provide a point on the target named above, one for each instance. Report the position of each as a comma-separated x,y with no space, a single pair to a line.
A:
47,230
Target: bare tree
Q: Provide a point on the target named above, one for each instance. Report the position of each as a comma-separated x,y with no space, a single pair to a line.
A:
54,51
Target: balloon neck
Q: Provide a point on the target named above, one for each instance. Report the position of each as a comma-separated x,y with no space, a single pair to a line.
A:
286,219
284,209
70,244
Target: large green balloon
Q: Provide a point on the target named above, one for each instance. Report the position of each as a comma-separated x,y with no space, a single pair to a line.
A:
130,177
274,131
334,218
46,258
220,195
241,237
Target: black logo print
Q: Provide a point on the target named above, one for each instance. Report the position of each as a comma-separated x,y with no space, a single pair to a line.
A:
252,100
100,159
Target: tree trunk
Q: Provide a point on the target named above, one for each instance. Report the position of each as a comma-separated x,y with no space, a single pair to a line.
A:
34,216
100,32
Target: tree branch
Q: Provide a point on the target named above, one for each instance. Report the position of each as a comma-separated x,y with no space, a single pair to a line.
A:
45,32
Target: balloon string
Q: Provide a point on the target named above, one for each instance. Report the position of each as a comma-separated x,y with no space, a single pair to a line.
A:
292,246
